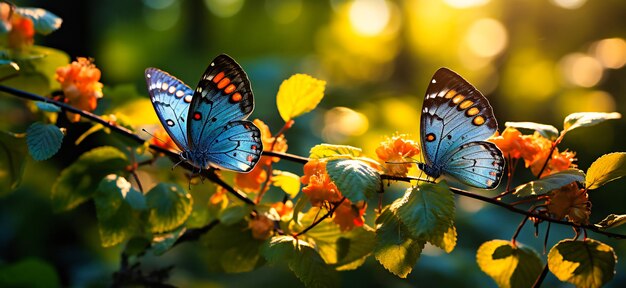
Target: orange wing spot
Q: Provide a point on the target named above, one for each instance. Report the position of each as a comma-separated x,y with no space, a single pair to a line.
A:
479,120
230,88
253,147
457,99
493,173
450,94
236,97
223,83
430,137
466,104
218,77
472,111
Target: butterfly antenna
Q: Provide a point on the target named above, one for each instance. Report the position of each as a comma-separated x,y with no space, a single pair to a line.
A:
144,130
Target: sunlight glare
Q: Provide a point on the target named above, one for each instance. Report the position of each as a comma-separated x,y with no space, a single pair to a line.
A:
369,17
465,3
581,69
569,4
341,123
486,37
611,52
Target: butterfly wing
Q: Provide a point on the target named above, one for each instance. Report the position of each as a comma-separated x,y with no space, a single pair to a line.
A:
479,164
216,124
170,98
454,114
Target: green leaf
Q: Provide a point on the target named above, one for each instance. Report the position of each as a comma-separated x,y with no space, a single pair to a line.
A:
45,22
169,206
395,249
44,140
509,265
355,179
48,64
287,181
302,203
426,210
328,150
117,220
231,249
79,181
550,182
547,131
588,263
234,214
586,119
163,242
95,128
13,152
611,221
605,169
298,95
48,107
30,272
302,260
445,241
342,250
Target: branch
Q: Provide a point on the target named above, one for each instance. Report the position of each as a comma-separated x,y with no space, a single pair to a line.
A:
515,209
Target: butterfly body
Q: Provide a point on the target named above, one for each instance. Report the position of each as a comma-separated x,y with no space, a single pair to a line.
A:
456,119
209,123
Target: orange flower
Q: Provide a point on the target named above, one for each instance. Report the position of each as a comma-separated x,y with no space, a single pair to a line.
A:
569,202
252,181
162,139
397,149
261,226
319,187
219,196
558,162
22,34
79,82
283,208
349,215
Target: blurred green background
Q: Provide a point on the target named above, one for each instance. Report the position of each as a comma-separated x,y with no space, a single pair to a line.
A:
535,61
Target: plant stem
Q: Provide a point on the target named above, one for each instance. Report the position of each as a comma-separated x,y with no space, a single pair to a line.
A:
319,220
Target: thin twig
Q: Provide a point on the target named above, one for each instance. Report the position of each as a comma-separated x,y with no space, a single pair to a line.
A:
319,220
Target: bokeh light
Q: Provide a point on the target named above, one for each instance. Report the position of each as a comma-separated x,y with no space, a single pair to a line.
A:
610,52
581,70
224,8
164,17
569,4
369,17
486,37
341,123
283,11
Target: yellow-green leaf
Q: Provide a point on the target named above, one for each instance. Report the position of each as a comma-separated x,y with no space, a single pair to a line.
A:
588,263
13,152
287,181
508,265
586,119
445,241
606,169
298,95
549,183
329,150
426,210
611,221
395,249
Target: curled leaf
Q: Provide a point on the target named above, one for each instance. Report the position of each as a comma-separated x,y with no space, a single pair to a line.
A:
547,131
605,169
586,119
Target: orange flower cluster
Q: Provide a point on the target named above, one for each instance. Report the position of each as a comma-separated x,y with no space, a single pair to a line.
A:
569,202
252,181
79,81
283,209
397,149
320,189
534,149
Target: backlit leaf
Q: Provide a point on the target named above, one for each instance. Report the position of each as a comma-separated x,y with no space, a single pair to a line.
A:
164,241
611,221
169,206
302,260
117,220
445,241
508,265
231,249
13,153
395,249
588,263
547,131
426,210
550,182
586,119
606,169
79,181
44,140
287,181
356,180
298,95
321,151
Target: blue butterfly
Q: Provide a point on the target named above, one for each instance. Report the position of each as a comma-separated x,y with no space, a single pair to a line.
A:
456,118
209,124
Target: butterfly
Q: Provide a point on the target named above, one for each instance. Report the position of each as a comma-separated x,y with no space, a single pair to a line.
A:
209,123
456,119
